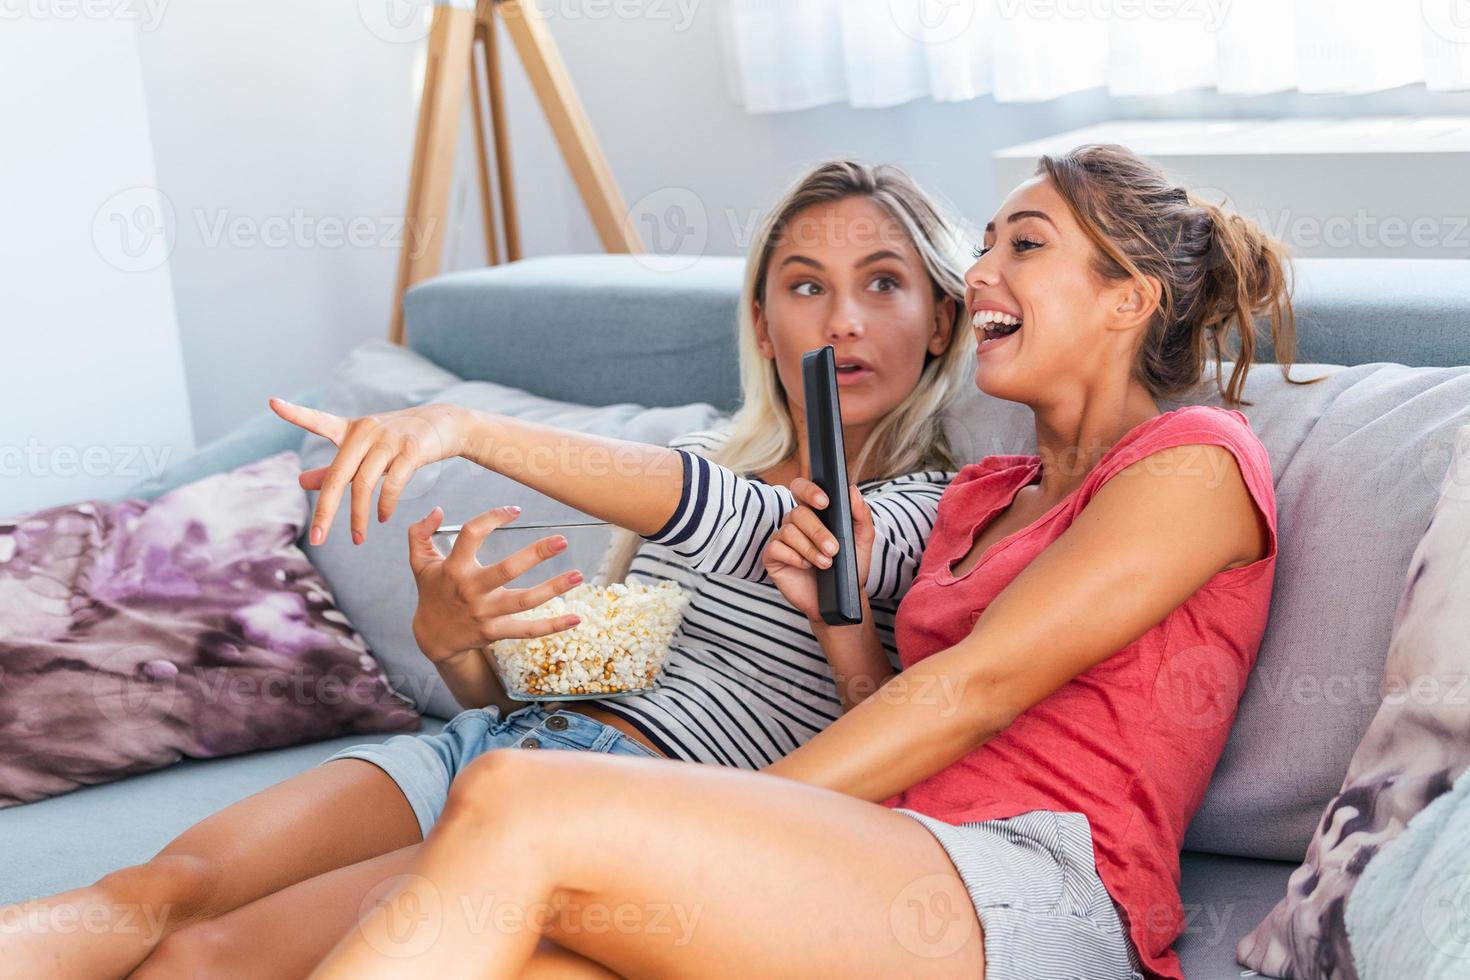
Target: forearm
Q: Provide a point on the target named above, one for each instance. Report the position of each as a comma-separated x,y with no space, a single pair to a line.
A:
918,723
629,484
473,681
859,663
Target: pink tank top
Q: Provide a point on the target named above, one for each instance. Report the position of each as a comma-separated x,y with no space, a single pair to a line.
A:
1130,743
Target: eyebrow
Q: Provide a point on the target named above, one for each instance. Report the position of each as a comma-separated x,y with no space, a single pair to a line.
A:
1018,215
875,257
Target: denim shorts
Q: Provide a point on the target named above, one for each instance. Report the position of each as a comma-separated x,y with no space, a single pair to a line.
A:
423,766
1042,907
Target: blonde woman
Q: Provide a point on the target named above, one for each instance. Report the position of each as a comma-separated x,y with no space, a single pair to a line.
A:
855,256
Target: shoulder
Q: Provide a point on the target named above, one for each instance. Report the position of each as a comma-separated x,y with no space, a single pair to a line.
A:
1212,437
926,482
702,441
1196,423
1187,462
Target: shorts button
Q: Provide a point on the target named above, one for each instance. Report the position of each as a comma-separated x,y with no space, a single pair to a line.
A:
556,723
531,743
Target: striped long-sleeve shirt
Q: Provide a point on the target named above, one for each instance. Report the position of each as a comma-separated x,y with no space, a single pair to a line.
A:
745,681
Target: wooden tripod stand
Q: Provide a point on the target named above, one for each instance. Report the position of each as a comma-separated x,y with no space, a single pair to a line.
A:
456,34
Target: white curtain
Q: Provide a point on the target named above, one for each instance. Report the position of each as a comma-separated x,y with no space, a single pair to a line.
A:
793,54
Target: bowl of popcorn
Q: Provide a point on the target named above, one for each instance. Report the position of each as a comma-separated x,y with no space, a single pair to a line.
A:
617,649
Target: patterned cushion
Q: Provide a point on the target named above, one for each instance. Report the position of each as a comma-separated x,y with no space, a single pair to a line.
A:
133,634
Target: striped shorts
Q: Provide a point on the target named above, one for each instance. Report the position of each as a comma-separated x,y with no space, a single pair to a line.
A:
1045,912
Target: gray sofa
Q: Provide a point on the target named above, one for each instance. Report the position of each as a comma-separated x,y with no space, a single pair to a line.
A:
601,330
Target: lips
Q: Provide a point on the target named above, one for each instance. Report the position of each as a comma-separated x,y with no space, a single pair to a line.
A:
852,369
994,325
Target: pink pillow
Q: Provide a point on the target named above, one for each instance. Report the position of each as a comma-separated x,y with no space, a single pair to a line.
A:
133,634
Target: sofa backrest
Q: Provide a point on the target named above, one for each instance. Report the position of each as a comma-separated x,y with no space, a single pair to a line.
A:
1358,460
622,328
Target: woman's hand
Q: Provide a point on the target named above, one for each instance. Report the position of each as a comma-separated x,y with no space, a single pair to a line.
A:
464,605
802,544
395,443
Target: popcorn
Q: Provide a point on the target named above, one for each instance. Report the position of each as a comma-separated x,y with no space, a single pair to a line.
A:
619,646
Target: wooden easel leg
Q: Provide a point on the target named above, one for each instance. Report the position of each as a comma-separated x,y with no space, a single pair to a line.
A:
570,125
482,153
445,76
501,127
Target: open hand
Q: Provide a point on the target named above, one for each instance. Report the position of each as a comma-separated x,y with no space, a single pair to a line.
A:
391,443
803,544
464,605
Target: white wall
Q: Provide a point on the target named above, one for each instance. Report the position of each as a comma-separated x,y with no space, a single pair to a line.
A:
93,396
267,112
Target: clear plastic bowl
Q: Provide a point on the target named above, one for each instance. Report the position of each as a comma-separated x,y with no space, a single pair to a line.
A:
579,664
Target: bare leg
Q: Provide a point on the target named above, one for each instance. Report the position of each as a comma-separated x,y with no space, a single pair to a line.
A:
686,870
325,818
285,934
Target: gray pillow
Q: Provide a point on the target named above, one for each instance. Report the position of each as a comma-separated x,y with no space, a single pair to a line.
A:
372,581
1357,460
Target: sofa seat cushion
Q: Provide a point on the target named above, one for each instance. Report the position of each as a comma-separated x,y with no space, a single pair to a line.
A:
73,840
1224,898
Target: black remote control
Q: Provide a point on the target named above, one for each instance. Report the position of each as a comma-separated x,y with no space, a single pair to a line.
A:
837,585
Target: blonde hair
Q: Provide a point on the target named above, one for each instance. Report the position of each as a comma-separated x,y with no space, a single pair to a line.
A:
911,437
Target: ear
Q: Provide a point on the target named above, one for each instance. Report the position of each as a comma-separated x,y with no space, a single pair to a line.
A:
762,331
1134,303
944,325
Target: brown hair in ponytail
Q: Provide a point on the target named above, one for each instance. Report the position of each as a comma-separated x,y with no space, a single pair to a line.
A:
1218,271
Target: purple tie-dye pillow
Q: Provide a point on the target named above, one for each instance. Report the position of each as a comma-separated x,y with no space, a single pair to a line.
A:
133,634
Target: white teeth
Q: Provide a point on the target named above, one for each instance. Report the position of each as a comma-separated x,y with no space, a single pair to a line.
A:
993,316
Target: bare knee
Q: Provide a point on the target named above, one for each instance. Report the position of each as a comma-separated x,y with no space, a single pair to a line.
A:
500,774
167,891
203,949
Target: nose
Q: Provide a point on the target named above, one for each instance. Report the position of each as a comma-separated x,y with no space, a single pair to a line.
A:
982,273
845,321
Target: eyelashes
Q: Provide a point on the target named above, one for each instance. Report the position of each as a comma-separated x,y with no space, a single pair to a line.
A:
1017,244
